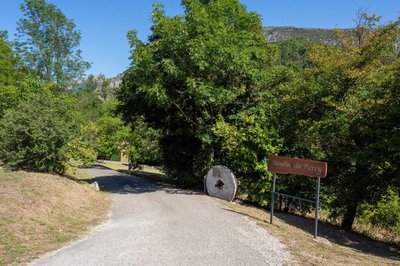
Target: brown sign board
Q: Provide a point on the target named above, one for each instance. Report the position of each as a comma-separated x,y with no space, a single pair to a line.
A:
285,165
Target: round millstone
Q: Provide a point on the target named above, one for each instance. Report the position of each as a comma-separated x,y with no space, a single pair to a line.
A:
221,183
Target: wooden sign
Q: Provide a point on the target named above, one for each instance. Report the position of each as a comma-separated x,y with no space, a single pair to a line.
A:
284,165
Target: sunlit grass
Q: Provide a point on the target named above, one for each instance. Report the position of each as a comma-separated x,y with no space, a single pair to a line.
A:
332,247
42,212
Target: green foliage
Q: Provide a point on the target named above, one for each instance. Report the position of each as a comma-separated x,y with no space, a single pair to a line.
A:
34,135
98,86
144,143
89,105
11,95
8,63
47,43
294,53
14,83
104,90
246,142
111,134
81,149
344,112
386,213
211,62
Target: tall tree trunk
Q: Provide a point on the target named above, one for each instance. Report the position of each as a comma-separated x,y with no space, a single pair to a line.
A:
349,216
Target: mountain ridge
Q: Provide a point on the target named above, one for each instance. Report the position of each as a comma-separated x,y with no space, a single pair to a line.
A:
280,33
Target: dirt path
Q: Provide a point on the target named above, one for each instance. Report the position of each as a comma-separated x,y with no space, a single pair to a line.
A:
154,225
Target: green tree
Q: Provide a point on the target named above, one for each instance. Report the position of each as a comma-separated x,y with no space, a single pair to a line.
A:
143,143
246,141
47,43
81,149
346,112
8,62
294,53
210,62
89,105
90,84
110,136
35,134
15,83
104,90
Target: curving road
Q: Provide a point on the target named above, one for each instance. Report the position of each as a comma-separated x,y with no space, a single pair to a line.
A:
154,225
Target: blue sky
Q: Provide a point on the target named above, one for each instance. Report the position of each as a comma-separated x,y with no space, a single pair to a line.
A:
104,23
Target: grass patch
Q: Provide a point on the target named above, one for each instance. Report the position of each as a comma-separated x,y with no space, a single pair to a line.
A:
376,232
78,174
332,247
43,212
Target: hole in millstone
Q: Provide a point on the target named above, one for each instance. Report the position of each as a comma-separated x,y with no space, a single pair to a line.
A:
219,184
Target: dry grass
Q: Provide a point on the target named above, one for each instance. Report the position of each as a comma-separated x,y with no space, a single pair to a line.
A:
376,232
373,231
146,172
332,247
78,174
42,212
119,166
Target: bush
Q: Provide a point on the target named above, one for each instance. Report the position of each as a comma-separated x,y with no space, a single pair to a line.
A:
34,135
144,142
246,142
81,148
110,131
386,213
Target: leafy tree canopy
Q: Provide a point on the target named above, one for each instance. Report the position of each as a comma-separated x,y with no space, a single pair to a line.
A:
47,43
346,111
210,62
35,134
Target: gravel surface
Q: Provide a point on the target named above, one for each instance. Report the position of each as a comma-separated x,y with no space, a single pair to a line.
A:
154,225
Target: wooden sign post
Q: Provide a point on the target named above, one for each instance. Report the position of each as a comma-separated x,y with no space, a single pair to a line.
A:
284,165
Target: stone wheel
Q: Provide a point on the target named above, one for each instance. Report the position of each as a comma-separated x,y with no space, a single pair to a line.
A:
221,183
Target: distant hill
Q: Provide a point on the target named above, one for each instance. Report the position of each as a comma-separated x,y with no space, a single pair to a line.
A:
276,34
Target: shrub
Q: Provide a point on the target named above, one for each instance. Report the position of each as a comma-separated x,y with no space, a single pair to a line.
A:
386,213
81,148
246,142
34,135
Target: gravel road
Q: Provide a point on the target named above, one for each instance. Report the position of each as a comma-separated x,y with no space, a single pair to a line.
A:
154,225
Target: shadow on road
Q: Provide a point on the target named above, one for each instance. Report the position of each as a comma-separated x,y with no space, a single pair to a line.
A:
127,184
